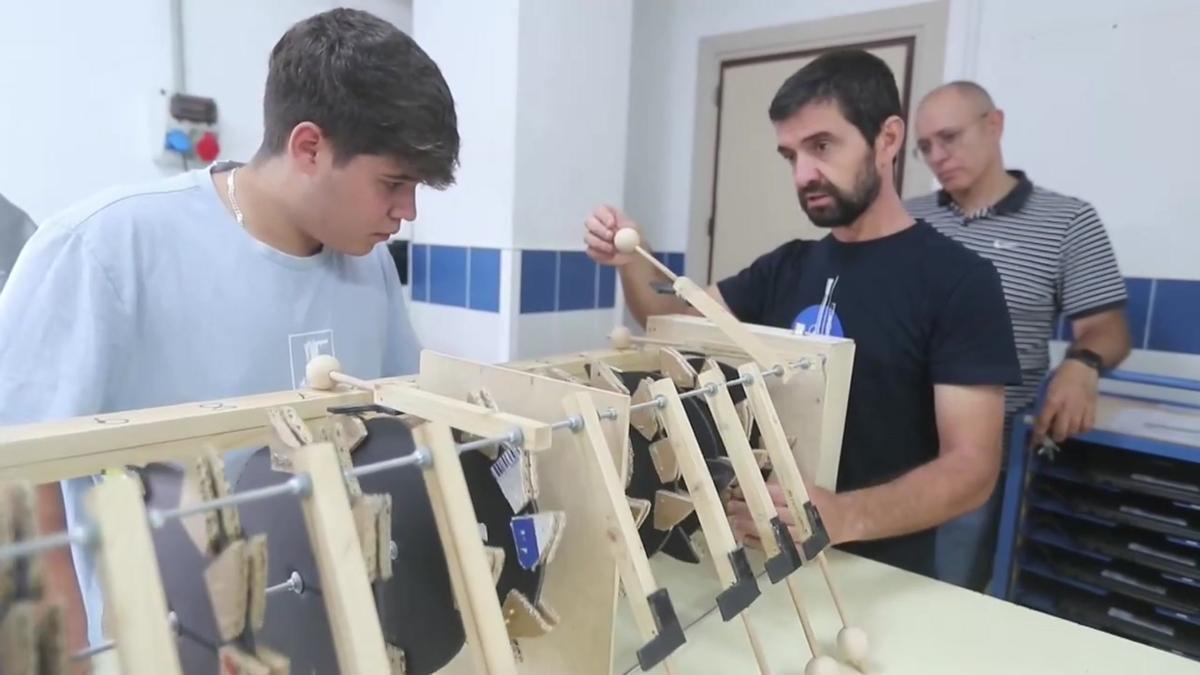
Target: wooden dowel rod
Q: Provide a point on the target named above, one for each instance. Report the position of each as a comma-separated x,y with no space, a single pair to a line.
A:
352,381
654,261
837,598
805,623
756,645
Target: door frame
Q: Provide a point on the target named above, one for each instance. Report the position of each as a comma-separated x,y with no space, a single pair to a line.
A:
925,24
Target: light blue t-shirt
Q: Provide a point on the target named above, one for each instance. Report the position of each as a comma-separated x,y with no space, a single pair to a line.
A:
155,295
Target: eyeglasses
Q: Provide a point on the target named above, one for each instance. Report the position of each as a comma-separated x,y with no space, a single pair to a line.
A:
946,139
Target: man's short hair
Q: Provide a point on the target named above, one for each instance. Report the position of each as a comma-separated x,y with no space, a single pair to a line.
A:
369,87
969,90
859,82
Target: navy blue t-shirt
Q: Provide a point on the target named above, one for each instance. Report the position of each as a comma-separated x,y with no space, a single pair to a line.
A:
922,310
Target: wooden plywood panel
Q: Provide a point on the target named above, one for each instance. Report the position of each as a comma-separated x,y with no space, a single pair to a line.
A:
581,582
811,405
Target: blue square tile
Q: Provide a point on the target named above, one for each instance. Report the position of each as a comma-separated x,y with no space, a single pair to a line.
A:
448,275
675,263
484,291
1137,310
660,257
539,272
1175,317
420,273
606,295
576,281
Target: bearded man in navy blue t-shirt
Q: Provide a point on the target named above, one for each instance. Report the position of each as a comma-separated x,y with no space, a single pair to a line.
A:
934,345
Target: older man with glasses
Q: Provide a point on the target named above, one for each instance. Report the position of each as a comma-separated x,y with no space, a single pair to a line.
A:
1054,258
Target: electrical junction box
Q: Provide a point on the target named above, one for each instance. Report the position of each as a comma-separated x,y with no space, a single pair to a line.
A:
189,135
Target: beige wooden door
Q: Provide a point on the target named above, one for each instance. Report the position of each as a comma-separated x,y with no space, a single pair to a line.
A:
755,203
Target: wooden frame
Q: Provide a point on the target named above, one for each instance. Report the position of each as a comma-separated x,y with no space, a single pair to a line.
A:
581,584
470,571
342,568
599,547
815,398
656,622
128,572
88,445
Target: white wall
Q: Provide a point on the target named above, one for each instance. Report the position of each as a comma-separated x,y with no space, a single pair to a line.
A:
571,125
76,82
81,85
478,211
1101,103
572,120
542,95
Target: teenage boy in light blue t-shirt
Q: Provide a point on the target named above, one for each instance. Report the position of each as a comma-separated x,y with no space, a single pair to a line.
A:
225,281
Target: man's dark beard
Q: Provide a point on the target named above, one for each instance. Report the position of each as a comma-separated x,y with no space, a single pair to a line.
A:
845,209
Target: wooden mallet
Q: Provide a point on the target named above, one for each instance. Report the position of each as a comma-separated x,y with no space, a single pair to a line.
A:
324,372
627,240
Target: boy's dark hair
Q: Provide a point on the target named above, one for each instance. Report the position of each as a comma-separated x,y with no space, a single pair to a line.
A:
369,87
859,82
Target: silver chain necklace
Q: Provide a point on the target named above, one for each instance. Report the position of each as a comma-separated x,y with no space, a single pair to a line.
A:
231,187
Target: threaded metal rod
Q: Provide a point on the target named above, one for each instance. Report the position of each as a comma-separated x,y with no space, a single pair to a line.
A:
300,484
32,547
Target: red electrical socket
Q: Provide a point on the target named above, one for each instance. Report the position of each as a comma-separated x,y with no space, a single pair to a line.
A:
207,147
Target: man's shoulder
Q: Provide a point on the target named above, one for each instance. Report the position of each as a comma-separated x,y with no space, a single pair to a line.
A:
788,252
949,258
1044,193
939,242
1057,205
923,206
129,205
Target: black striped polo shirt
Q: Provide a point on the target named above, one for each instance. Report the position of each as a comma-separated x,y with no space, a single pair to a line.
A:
1053,256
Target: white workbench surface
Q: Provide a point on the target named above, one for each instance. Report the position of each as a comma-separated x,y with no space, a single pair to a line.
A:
916,625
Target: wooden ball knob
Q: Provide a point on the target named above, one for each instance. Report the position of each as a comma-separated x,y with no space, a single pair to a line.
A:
621,338
317,372
852,642
823,665
627,240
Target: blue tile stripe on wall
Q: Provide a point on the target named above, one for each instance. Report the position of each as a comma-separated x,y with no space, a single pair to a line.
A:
563,281
1163,315
539,281
551,281
419,274
673,261
456,276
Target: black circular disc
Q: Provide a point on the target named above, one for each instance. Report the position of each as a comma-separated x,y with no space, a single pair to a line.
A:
495,513
181,566
645,482
416,605
295,625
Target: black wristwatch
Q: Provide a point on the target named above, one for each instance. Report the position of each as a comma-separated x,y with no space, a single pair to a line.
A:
1087,356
